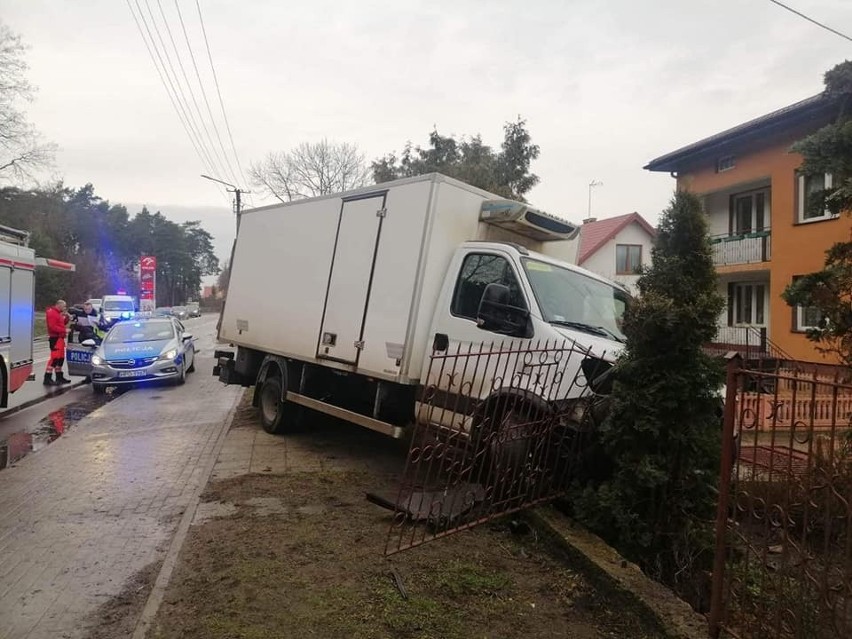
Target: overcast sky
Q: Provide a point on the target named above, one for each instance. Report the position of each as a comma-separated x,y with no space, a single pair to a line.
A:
605,85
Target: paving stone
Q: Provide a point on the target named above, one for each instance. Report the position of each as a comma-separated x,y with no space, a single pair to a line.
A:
101,503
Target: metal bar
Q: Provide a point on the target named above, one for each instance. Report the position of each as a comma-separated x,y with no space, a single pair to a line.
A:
348,415
724,496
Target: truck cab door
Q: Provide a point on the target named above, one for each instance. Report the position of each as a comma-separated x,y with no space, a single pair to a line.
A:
457,326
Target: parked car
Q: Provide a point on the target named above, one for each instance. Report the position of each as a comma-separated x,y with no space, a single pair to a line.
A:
180,312
118,307
163,311
142,351
193,309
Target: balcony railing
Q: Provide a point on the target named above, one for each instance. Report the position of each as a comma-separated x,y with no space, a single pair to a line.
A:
750,248
751,342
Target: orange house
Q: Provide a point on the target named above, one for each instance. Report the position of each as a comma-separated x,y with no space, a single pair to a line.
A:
763,235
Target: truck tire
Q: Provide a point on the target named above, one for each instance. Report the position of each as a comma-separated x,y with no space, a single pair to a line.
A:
499,452
276,416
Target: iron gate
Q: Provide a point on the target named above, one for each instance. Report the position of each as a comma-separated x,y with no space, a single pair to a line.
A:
783,565
500,428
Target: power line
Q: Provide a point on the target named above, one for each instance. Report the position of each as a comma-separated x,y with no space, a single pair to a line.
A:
218,91
201,119
811,20
201,156
179,92
167,83
204,93
163,81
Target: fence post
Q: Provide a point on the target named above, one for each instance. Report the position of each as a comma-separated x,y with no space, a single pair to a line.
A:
726,466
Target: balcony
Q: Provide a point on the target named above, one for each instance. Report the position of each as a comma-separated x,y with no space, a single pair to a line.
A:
748,248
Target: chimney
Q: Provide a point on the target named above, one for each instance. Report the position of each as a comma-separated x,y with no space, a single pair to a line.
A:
589,220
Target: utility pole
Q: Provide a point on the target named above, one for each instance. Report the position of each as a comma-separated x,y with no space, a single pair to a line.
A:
592,184
237,193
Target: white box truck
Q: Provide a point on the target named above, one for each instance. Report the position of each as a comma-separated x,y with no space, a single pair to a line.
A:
337,303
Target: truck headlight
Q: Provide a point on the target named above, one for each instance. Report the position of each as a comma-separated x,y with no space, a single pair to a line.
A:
96,361
169,354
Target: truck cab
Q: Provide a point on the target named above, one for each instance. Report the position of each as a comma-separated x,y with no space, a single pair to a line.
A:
527,296
501,294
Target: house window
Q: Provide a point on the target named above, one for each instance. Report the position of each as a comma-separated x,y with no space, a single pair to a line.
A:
628,259
478,271
807,317
811,197
725,163
749,212
747,304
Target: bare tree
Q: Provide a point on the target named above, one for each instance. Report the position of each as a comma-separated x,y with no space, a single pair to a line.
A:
21,150
311,169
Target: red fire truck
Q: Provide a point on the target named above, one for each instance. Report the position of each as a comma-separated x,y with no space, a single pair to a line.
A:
17,300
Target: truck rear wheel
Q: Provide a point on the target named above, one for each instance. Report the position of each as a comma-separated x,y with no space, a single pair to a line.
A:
276,416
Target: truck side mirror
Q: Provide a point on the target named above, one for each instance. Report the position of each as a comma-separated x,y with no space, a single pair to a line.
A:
496,315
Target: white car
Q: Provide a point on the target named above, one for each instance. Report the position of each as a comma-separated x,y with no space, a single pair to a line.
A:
117,307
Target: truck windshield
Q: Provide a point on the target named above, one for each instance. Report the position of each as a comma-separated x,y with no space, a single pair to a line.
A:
118,305
569,298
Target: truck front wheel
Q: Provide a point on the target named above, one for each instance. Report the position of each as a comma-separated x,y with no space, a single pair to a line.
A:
276,416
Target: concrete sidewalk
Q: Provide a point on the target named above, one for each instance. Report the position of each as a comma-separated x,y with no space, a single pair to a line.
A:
101,503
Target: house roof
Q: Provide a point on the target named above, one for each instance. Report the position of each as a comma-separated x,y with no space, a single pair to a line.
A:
593,235
816,110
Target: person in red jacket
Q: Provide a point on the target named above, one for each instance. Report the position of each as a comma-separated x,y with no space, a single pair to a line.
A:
57,329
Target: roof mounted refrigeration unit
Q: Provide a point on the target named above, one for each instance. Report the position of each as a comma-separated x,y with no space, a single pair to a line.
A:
527,221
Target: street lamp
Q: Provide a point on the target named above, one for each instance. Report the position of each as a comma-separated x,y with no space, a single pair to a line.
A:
592,184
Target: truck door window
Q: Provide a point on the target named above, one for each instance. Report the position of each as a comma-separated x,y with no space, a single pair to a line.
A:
478,271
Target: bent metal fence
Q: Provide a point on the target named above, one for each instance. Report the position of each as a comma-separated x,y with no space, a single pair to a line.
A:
783,565
500,428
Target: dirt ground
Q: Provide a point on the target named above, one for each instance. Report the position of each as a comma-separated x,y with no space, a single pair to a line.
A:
118,616
300,554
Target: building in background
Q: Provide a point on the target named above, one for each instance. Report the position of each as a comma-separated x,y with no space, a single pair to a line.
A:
614,248
763,236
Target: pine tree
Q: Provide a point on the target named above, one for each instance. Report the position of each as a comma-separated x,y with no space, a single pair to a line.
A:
662,434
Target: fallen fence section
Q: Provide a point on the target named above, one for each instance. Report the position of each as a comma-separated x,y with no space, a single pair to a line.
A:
500,428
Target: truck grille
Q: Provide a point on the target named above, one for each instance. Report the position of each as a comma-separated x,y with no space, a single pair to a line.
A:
131,363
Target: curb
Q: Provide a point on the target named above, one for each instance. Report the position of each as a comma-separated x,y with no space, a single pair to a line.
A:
673,616
38,400
155,598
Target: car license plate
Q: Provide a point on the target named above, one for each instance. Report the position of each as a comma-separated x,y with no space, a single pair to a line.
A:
78,357
136,373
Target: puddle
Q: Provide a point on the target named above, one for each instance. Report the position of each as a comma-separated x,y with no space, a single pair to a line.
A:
32,439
